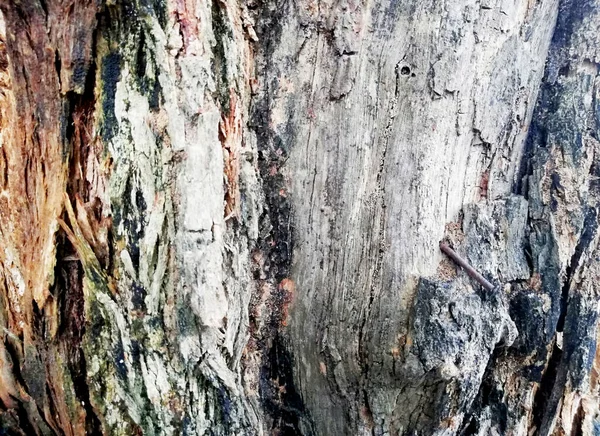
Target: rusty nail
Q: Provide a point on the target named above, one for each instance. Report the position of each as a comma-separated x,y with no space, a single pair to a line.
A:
465,265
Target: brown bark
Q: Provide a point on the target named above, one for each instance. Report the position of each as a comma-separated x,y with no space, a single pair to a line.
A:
47,52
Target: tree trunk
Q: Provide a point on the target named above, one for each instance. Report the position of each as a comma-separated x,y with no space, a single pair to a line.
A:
223,217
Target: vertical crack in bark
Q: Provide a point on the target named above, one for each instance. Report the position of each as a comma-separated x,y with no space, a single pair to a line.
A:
542,399
552,386
83,150
72,328
375,277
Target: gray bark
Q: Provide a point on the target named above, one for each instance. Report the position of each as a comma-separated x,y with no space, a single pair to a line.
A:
224,217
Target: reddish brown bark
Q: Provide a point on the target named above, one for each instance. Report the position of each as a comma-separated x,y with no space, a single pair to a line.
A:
43,74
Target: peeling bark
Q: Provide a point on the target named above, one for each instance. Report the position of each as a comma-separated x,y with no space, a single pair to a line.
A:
224,217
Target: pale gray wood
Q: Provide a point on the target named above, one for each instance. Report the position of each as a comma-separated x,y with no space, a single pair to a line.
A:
438,106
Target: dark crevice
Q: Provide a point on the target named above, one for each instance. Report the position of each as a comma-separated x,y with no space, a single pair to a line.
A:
71,100
69,276
148,82
53,412
57,67
536,137
586,238
78,372
24,421
368,412
490,397
546,386
141,58
4,167
577,429
44,7
69,273
280,398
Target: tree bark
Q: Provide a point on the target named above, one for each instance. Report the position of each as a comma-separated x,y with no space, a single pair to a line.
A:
224,217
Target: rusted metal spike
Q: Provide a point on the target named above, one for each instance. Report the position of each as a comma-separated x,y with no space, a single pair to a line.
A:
465,265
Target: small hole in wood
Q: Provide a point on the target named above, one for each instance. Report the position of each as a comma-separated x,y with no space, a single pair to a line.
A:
405,70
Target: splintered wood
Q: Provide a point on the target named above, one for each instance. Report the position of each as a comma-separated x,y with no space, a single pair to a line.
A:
44,60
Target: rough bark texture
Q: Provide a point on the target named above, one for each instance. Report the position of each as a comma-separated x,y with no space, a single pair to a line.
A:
223,217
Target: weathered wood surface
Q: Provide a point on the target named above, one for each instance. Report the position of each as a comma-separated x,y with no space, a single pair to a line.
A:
223,217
